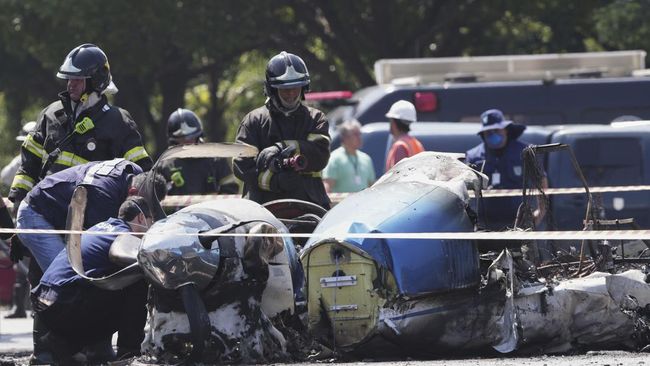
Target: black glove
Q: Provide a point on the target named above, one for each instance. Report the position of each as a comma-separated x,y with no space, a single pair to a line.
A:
14,209
266,156
285,181
17,250
16,195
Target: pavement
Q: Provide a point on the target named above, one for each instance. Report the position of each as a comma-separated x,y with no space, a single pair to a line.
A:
16,345
15,334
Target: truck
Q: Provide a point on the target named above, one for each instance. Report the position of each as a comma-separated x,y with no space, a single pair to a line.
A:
570,88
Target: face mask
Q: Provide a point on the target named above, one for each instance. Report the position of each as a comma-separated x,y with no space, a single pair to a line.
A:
146,227
494,140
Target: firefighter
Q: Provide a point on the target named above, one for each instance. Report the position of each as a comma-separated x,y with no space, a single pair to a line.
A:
194,176
402,114
292,138
80,127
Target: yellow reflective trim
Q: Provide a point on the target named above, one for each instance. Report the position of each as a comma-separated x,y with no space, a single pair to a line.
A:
34,147
23,181
136,154
228,179
264,180
69,159
318,136
312,174
293,143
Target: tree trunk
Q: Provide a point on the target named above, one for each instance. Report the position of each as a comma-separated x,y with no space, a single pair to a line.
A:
172,89
134,97
16,102
215,128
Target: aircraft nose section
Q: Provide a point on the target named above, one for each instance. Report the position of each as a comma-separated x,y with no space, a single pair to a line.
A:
172,255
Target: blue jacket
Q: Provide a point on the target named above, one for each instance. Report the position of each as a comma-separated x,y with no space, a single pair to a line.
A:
107,183
505,171
508,165
60,282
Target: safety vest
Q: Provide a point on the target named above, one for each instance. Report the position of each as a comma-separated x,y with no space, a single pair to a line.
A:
410,143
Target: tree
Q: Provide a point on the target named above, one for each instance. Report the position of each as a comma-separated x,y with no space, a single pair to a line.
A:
623,25
161,49
154,47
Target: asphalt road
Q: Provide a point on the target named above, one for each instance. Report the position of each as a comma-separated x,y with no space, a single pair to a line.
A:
16,346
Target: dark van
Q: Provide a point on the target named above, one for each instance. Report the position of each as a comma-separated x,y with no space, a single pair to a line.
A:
617,154
545,89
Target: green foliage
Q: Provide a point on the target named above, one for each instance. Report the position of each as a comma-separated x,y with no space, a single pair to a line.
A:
623,25
8,146
241,90
210,55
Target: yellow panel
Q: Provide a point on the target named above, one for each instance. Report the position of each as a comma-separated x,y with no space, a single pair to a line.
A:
352,309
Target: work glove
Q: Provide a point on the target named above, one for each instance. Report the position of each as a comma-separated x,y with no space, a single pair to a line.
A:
285,181
15,207
17,250
266,156
16,195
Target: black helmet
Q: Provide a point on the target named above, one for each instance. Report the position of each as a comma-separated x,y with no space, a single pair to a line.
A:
183,124
285,70
87,62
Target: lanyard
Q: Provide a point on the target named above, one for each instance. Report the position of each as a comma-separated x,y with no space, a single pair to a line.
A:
354,162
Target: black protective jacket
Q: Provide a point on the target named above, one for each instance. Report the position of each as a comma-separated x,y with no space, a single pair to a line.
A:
306,129
198,176
114,135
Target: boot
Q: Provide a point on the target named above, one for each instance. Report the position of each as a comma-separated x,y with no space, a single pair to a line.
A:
42,353
63,351
101,352
19,298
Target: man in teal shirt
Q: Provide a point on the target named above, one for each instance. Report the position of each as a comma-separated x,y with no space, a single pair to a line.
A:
349,169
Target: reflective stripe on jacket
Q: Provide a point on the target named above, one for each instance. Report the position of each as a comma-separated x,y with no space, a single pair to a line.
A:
114,135
306,129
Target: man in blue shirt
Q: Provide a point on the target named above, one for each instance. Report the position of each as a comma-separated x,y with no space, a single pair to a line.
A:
79,314
108,183
499,157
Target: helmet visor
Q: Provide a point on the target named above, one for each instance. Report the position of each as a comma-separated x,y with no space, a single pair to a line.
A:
69,71
291,78
62,75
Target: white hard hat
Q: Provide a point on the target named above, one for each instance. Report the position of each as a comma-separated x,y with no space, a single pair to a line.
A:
27,128
403,110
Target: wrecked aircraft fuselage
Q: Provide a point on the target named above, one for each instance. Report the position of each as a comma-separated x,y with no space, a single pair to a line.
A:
419,296
238,284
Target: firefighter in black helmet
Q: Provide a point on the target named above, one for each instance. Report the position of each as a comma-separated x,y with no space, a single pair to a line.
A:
293,139
78,128
194,176
81,126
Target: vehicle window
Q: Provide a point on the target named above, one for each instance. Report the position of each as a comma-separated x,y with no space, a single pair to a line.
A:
549,118
473,119
610,161
602,115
